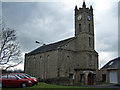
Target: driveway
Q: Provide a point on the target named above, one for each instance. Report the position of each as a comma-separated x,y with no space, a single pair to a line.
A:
102,86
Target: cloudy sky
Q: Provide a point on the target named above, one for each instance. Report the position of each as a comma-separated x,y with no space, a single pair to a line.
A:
49,21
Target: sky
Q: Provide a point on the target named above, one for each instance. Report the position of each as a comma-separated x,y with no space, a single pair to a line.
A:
49,21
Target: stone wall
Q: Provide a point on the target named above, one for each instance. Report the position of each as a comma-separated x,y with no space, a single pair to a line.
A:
43,65
100,74
118,76
59,81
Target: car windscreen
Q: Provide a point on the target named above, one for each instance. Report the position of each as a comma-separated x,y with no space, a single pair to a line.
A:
27,75
21,76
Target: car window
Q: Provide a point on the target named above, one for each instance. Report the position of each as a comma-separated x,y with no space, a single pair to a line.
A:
12,77
21,76
4,76
27,75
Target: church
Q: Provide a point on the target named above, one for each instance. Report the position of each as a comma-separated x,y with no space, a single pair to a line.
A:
70,61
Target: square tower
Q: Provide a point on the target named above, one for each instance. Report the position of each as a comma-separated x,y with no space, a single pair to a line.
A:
87,57
84,27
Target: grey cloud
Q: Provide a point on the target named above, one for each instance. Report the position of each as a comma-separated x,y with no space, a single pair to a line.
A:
107,30
17,12
44,22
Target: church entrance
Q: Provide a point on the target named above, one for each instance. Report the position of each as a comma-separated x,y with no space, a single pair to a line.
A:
90,79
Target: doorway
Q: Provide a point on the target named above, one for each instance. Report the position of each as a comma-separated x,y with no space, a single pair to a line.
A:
90,79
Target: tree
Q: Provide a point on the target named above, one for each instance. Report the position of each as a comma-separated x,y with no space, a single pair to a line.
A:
9,49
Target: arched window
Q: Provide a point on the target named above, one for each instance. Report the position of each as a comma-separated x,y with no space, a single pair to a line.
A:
89,28
40,57
89,41
90,60
79,27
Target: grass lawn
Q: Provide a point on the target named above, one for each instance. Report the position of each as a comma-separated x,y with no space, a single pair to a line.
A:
50,86
44,86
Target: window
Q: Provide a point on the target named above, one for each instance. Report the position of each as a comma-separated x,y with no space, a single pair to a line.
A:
40,57
4,76
111,63
89,28
81,77
80,27
71,76
27,75
58,72
89,41
12,77
90,60
21,76
103,77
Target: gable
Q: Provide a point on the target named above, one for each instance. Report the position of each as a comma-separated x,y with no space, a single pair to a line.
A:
70,45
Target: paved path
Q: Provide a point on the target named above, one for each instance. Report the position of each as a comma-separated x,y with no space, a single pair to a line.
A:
101,86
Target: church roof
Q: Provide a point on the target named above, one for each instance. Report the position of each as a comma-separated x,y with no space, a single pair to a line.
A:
50,47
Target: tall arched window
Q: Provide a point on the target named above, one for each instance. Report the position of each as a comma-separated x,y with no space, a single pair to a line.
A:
89,41
79,27
90,60
89,28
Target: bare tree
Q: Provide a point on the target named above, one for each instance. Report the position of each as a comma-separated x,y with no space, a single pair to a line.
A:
9,49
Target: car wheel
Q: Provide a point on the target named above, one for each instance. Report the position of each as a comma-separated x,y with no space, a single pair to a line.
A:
33,84
2,86
23,85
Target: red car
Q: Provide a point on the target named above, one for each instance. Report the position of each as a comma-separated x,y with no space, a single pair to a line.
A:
9,80
26,76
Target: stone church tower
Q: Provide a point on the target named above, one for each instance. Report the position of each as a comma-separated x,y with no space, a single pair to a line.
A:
84,32
69,61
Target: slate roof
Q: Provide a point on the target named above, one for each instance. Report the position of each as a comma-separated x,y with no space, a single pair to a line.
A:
113,64
49,47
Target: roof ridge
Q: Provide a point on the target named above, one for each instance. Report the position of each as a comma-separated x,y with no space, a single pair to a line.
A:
49,47
69,40
61,41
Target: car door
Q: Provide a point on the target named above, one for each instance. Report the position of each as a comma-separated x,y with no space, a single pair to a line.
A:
4,80
12,80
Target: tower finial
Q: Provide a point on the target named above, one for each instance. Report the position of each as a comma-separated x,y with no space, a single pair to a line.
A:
91,7
84,5
76,7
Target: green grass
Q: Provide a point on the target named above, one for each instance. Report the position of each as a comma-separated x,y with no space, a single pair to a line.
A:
54,87
45,85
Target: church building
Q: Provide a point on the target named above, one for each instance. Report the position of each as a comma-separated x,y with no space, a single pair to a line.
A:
70,61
